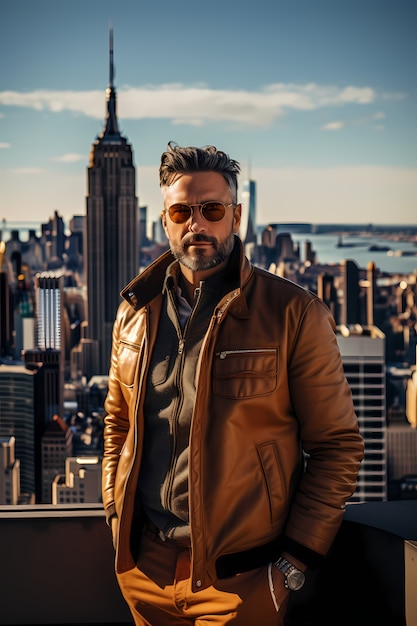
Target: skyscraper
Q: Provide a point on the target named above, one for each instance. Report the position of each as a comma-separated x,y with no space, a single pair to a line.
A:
112,225
363,354
247,231
49,295
350,300
50,339
17,418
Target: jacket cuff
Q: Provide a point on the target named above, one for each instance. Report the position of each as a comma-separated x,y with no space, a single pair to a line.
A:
307,556
110,512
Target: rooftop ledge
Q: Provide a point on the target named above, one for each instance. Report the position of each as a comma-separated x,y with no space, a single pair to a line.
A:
57,568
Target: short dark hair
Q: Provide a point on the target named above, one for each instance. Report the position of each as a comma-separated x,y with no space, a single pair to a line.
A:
179,160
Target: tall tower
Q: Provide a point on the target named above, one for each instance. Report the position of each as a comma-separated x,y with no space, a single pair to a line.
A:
363,355
350,305
247,231
17,418
49,325
112,225
50,340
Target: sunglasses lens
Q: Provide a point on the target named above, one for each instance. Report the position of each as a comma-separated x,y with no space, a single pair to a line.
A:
179,213
213,211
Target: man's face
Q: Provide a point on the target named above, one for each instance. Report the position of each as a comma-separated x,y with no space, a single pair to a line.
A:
198,244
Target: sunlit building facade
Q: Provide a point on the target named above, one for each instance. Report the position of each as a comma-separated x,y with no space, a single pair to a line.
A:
363,354
17,418
247,230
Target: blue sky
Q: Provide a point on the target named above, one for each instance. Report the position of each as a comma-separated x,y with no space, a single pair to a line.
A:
317,99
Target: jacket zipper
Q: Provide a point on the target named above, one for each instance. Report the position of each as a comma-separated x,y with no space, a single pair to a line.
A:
220,312
181,349
128,343
225,353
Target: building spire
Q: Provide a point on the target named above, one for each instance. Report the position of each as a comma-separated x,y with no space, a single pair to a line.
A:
111,130
111,72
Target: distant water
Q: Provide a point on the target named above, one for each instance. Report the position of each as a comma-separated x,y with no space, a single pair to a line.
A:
357,249
324,245
327,251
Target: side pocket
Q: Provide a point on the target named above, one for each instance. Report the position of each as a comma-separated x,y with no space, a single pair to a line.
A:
245,373
274,485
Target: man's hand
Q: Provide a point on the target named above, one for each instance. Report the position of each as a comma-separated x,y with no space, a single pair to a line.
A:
114,527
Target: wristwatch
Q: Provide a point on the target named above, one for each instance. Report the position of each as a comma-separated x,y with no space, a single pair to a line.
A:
294,578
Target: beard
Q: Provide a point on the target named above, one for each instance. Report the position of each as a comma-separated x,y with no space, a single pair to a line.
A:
200,261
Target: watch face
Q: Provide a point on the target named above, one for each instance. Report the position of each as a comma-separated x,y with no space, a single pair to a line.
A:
295,580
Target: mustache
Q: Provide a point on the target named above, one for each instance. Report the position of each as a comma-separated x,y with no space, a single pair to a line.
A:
191,238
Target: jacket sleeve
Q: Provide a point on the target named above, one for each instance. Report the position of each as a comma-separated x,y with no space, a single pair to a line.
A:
329,432
116,426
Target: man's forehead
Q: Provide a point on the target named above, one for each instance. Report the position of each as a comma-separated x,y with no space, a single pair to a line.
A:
196,181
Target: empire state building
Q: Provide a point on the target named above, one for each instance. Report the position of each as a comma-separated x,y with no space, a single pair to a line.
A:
112,225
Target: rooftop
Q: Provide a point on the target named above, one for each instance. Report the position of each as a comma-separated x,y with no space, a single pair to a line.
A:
58,569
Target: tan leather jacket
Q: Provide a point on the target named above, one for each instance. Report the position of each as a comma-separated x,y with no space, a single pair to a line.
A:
269,376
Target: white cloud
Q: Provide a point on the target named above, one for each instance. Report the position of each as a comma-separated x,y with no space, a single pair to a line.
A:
334,126
71,157
359,95
393,96
361,121
4,145
197,104
84,102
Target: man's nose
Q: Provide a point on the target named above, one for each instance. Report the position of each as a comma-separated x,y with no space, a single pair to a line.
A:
197,222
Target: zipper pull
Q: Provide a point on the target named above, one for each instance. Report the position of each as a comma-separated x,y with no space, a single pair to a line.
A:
181,346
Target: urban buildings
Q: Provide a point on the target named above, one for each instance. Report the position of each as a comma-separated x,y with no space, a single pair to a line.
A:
81,482
56,449
58,298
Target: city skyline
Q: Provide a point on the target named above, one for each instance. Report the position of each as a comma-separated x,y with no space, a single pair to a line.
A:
317,102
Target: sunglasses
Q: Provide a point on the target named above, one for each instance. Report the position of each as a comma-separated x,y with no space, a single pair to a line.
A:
211,211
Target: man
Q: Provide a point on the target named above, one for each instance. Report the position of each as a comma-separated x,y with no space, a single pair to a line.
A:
231,442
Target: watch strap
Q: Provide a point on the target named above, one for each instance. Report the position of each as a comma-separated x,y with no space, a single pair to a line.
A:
293,577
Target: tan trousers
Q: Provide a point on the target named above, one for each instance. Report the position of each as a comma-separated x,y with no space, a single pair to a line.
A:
158,592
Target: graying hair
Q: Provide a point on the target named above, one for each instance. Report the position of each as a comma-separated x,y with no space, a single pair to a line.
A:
179,160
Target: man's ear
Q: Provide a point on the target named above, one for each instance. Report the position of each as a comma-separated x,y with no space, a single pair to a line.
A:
164,222
237,217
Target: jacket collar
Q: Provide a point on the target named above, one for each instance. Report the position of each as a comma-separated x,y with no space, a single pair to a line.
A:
150,283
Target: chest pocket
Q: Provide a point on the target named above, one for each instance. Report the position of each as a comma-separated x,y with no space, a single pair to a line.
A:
127,362
245,373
